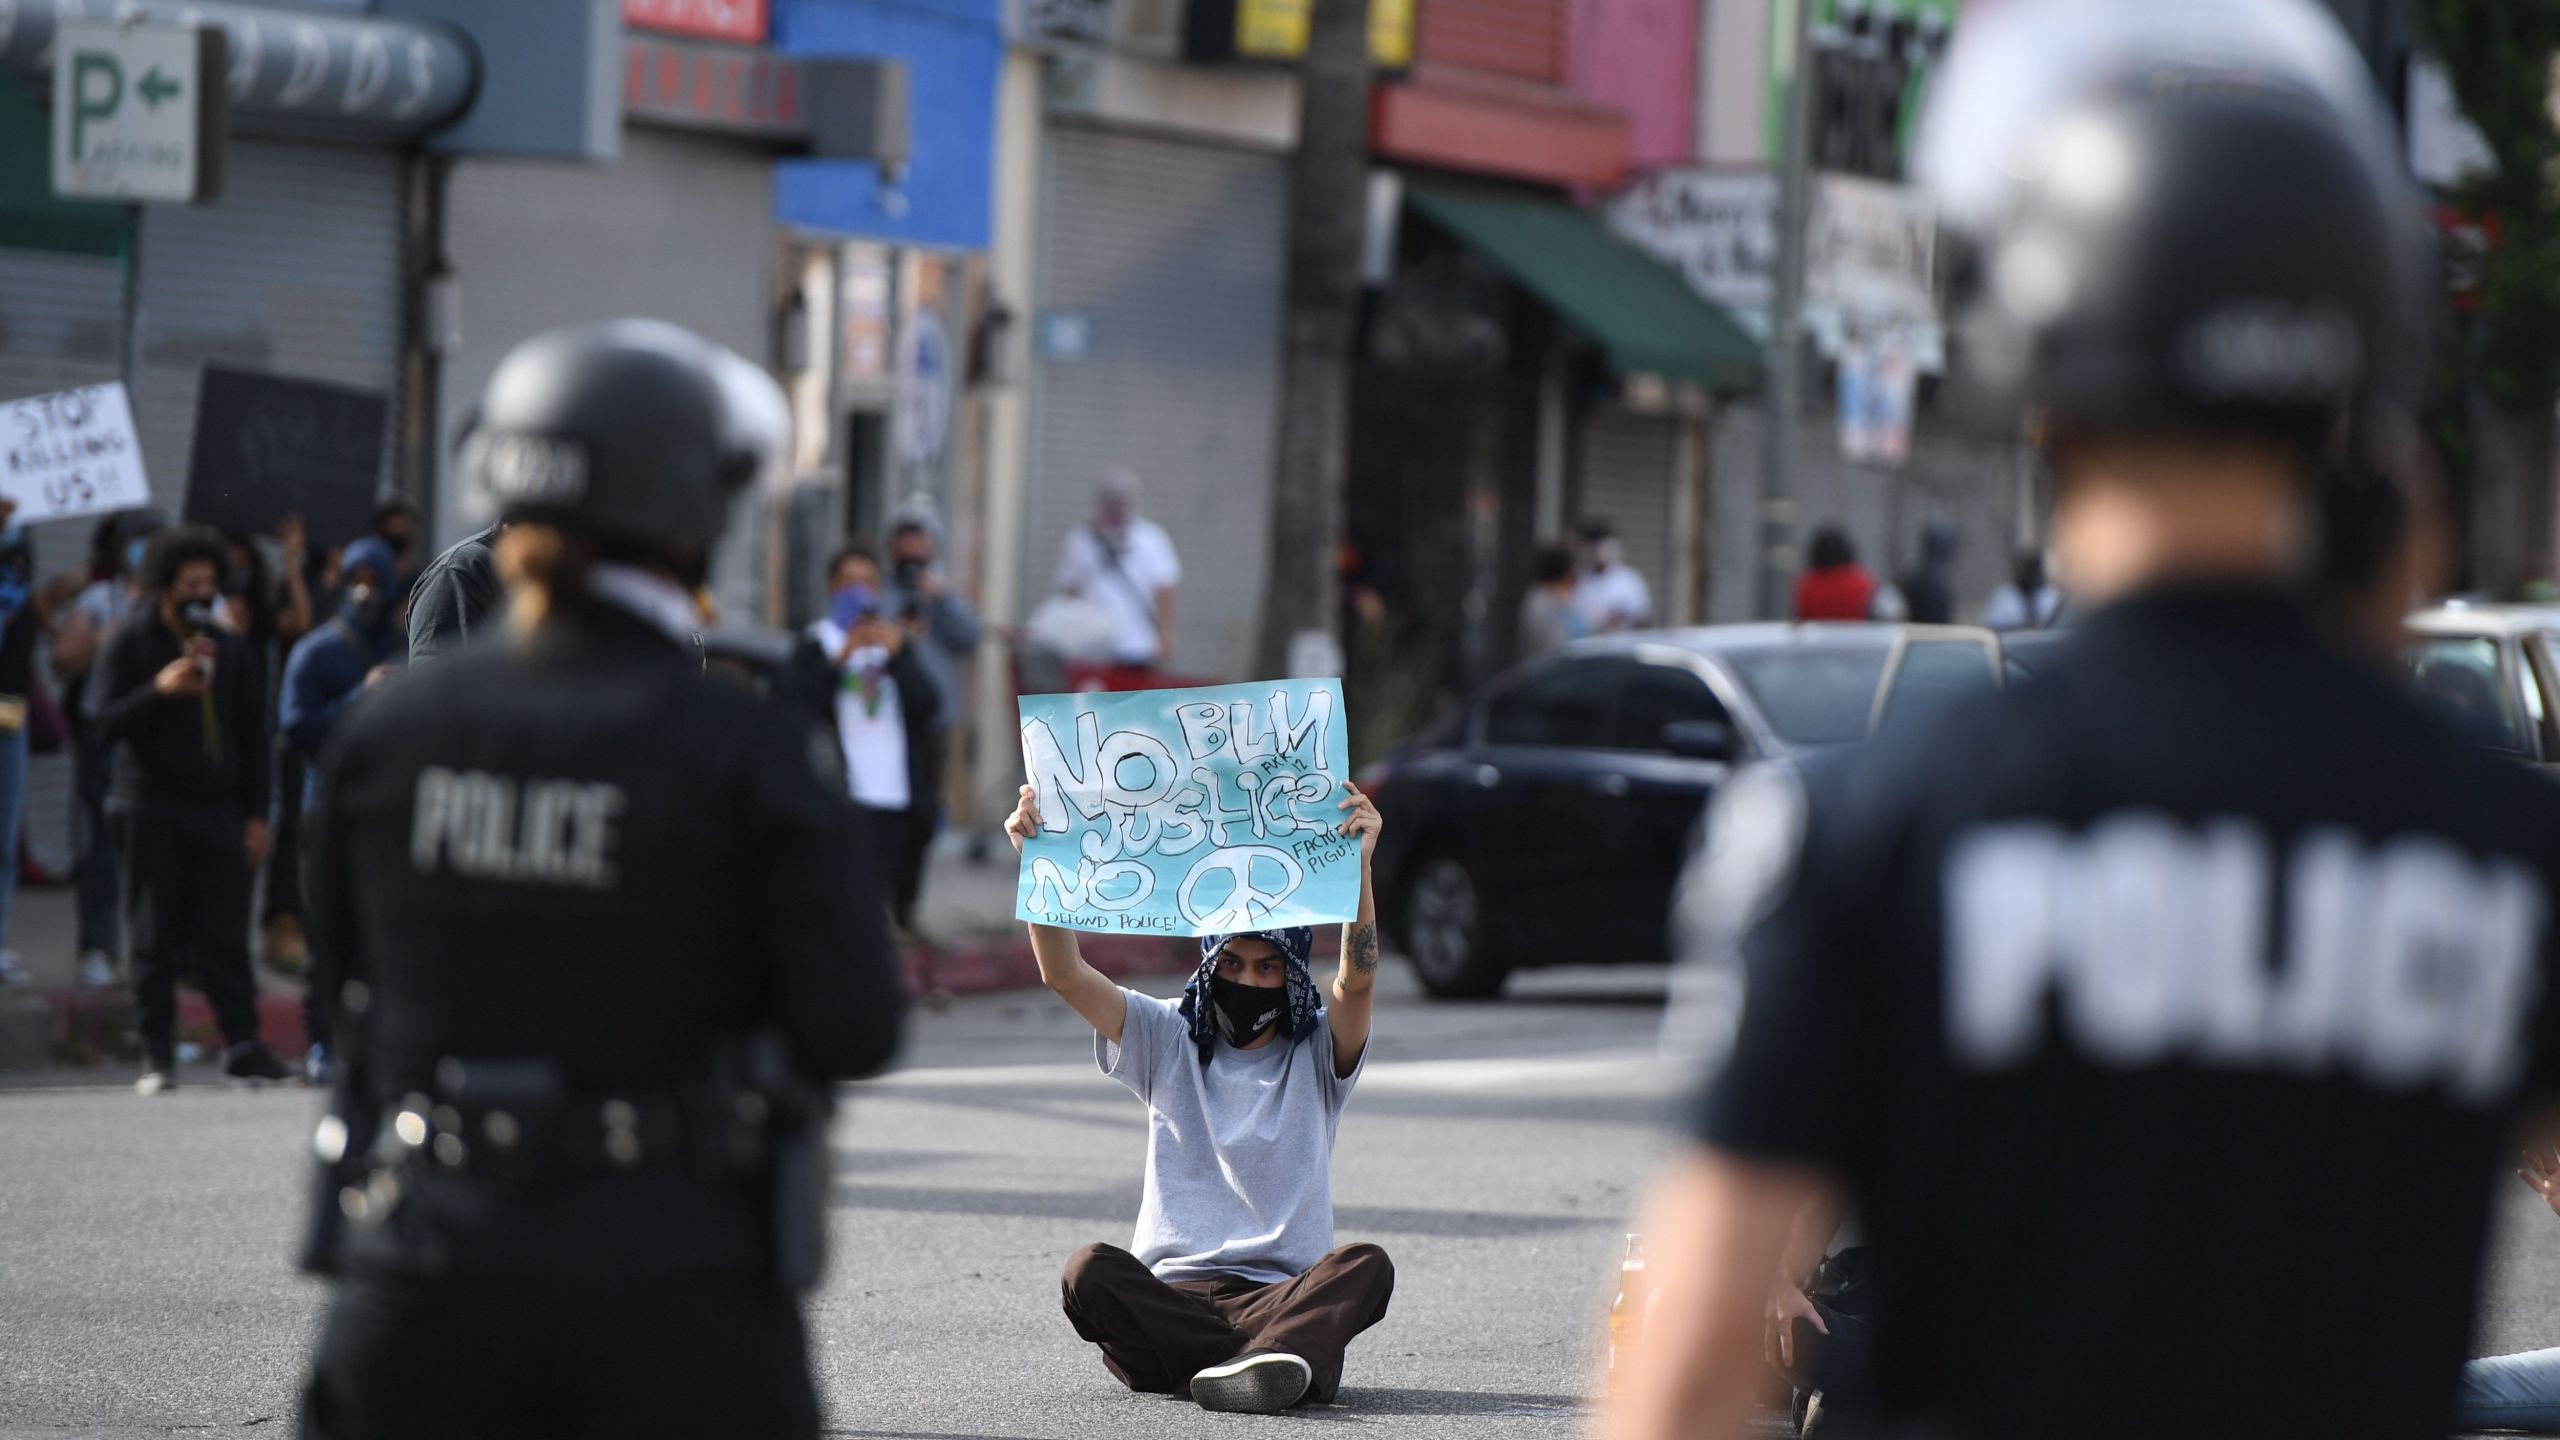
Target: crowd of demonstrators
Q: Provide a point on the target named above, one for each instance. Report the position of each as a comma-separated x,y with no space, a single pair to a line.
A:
1575,591
271,610
1834,586
1123,565
182,700
885,699
1549,618
944,632
2027,600
1232,1292
1611,594
96,611
23,620
330,670
1925,594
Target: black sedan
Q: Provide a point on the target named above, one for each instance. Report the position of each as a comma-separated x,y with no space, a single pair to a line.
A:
1546,820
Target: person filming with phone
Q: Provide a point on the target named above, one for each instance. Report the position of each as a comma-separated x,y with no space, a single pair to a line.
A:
884,708
183,704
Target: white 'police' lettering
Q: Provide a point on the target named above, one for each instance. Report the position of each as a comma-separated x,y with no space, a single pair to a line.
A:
533,832
2405,963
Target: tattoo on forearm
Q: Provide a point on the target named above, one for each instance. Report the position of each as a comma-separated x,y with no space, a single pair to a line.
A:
1360,946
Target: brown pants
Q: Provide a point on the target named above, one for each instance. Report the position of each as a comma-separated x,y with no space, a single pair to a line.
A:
1155,1335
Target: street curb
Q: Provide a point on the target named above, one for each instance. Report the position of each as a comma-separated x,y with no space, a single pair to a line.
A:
44,1028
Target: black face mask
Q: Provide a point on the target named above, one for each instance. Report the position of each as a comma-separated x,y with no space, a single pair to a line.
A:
197,616
1246,1013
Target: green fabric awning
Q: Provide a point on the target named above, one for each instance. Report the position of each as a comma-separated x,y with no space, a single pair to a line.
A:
1637,309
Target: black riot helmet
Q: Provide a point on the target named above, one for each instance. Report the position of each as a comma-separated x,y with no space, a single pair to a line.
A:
617,431
2175,213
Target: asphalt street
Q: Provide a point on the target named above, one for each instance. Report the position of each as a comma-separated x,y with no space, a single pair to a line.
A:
1494,1150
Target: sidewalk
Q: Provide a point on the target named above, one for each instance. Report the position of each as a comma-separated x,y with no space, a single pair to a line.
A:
966,913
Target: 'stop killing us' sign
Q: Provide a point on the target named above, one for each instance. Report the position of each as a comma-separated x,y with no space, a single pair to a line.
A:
1189,812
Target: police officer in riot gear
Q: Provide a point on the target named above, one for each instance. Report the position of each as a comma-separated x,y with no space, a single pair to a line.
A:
605,934
2166,1019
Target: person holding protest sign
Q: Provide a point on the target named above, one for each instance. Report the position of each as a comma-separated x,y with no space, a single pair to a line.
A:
1232,1292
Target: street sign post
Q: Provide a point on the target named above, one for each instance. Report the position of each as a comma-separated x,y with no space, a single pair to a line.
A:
138,111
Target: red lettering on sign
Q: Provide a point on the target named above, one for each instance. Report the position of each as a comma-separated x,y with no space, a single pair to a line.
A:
670,76
742,21
786,94
733,84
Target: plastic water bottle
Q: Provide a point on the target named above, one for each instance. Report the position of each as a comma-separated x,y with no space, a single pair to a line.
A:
1626,1313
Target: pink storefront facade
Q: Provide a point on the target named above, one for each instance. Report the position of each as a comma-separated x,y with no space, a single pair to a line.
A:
1639,58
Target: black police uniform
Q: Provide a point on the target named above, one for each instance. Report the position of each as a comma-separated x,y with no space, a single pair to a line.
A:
2165,1019
606,927
582,850
2195,984
455,600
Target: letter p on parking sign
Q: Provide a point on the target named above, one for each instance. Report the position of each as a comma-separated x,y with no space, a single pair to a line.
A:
138,111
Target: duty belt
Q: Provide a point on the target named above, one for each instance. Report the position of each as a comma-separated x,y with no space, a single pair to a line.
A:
566,1139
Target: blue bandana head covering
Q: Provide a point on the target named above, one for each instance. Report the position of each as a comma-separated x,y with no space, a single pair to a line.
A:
1294,945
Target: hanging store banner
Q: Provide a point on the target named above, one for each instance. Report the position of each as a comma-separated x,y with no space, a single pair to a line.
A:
1189,812
1718,228
1878,383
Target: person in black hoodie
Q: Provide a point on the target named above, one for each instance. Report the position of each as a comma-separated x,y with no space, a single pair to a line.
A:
183,704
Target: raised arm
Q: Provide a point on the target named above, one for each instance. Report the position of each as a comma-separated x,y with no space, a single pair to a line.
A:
1087,991
1350,1010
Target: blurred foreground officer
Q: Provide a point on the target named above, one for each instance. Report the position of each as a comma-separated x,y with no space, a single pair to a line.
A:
2074,1003
601,956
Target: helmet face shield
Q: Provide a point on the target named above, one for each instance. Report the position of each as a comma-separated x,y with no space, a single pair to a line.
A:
2173,211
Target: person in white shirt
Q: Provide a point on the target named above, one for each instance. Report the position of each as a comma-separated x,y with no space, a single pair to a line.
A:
2027,601
883,696
1124,564
1611,594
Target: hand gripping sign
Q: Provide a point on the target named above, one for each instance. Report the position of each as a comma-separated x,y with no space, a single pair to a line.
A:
1189,812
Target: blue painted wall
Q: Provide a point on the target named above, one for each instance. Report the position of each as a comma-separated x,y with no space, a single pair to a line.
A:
953,50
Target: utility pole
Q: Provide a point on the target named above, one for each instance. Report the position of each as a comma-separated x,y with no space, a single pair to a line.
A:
1328,209
1785,394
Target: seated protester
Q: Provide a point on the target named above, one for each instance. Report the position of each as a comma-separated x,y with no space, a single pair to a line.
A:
2516,1392
1232,1292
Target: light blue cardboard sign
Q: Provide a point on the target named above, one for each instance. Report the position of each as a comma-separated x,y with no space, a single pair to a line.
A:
1189,812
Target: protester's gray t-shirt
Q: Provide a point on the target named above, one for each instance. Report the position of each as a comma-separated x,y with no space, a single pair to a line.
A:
1239,1151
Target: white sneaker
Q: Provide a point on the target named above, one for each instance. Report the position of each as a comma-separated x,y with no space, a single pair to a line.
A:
11,972
95,970
1258,1382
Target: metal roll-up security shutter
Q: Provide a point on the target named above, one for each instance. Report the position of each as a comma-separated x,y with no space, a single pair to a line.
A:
1626,473
1169,256
295,271
679,229
61,326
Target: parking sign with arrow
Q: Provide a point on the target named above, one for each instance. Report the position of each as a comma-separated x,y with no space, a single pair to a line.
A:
138,111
